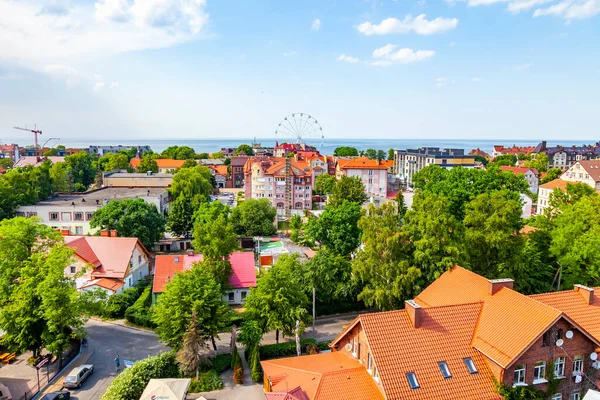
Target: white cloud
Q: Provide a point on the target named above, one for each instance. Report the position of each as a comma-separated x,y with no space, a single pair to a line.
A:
517,6
476,79
348,59
289,53
63,72
316,25
388,55
419,25
39,33
570,9
522,67
475,3
441,82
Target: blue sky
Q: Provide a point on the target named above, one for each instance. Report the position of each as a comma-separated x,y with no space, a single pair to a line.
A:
161,69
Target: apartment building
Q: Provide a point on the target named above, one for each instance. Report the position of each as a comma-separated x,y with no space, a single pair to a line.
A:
511,151
453,341
585,171
565,157
546,190
372,173
409,162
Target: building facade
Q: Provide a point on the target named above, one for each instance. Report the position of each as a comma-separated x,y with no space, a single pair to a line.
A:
125,179
565,157
545,191
372,173
512,151
409,162
532,176
587,171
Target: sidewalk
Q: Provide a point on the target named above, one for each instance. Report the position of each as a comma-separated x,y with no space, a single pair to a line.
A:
56,384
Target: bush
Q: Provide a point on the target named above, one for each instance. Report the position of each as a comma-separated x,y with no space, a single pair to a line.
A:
207,382
235,356
287,349
312,349
221,363
255,367
140,313
238,375
324,346
130,383
118,304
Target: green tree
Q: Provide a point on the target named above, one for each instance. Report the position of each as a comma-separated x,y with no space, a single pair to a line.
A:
348,188
180,219
214,237
190,355
381,155
371,154
574,192
5,163
401,204
383,265
506,159
324,184
337,228
191,183
244,149
118,161
331,276
539,162
202,156
278,300
82,171
345,151
178,153
217,154
552,174
51,152
254,218
481,159
391,153
147,163
131,218
189,163
39,306
60,174
189,291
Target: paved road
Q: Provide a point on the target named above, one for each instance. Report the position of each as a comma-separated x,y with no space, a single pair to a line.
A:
107,340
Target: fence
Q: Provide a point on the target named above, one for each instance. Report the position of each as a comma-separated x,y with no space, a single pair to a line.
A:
45,376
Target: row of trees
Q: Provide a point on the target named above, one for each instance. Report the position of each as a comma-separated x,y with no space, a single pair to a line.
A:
347,151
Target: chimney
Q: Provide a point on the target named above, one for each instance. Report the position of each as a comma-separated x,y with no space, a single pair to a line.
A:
586,292
112,233
104,233
190,252
414,312
496,284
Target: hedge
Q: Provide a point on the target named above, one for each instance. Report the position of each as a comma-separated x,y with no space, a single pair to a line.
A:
219,364
139,313
287,349
207,382
131,382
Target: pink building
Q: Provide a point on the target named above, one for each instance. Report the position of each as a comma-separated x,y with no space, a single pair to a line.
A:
373,174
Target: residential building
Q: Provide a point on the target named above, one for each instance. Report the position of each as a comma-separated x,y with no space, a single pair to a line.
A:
274,178
564,157
544,193
409,162
165,165
585,171
73,211
40,151
10,151
37,161
228,151
282,150
531,175
372,173
454,340
220,173
243,275
110,263
479,152
236,177
512,151
146,180
103,150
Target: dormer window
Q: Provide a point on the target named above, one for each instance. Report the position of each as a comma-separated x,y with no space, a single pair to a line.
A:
412,380
470,365
445,370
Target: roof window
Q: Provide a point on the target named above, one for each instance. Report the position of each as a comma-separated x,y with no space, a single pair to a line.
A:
445,370
470,365
412,380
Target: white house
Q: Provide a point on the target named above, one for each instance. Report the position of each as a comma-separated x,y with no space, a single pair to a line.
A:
532,176
110,263
586,171
544,193
372,173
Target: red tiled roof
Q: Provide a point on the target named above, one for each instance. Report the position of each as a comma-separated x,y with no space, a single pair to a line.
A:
361,163
327,376
219,169
106,283
242,265
519,170
109,255
444,334
161,162
514,149
478,152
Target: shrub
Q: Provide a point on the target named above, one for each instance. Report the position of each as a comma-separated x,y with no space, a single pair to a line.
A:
117,304
238,375
324,346
287,349
207,382
255,368
130,383
312,349
221,363
234,357
140,313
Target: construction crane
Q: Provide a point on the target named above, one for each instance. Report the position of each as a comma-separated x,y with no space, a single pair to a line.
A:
35,131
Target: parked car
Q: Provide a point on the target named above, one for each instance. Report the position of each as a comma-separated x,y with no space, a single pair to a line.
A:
4,393
78,375
62,395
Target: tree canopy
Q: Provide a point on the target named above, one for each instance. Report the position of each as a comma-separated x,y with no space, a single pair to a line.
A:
244,149
254,217
324,184
345,151
178,153
337,228
82,171
147,163
347,188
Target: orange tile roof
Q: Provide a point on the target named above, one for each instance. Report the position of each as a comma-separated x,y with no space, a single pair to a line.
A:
459,286
327,376
514,149
556,184
109,255
528,229
295,394
106,283
276,166
444,334
361,163
519,170
220,169
572,303
161,162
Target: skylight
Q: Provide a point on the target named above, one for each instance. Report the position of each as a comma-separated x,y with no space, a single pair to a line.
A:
445,370
412,380
470,365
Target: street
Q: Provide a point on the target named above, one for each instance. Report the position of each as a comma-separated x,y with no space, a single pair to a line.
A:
107,340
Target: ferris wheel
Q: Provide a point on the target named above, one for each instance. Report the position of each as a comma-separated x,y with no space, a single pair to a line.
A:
300,128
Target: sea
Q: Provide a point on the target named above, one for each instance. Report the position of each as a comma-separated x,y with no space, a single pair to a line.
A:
327,146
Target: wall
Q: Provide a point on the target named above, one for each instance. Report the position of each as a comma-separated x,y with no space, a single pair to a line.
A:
147,181
43,212
237,296
138,270
578,174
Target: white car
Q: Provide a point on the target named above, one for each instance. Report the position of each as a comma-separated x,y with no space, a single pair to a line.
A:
78,375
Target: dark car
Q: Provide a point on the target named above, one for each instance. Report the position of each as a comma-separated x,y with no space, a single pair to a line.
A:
62,395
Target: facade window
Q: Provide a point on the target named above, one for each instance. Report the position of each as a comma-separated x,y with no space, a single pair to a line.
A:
578,365
53,216
445,370
354,347
575,396
557,396
78,216
519,375
412,380
139,260
73,270
559,368
369,363
370,172
539,371
470,365
79,230
66,216
244,294
231,296
31,214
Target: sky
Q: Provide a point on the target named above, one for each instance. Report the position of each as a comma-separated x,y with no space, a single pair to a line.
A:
201,69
